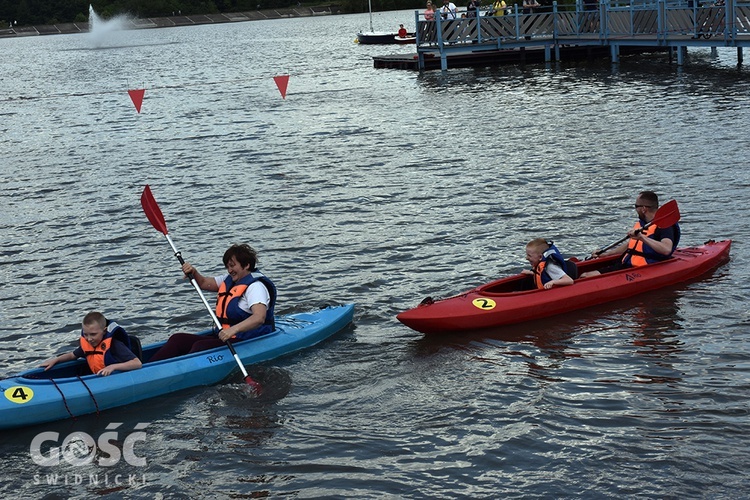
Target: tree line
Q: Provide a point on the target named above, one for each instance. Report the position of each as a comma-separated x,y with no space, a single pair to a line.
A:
37,12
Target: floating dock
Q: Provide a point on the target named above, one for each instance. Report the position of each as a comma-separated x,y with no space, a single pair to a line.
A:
519,55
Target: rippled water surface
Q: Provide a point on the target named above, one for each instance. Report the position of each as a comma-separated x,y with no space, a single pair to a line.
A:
379,187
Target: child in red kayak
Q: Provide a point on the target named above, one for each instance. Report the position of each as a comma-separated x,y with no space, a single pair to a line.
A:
549,266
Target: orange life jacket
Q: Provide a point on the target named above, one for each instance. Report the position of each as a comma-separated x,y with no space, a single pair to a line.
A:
98,357
223,299
228,298
635,252
538,278
95,355
551,254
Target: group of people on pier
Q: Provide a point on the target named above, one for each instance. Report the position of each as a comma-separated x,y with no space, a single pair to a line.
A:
449,11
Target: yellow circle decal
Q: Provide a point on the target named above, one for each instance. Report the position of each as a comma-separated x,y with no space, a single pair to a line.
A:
19,394
484,304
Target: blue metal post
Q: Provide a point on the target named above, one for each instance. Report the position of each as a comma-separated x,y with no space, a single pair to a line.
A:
420,54
555,30
729,13
661,21
441,45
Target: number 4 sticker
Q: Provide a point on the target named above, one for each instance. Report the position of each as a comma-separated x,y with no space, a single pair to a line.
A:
19,394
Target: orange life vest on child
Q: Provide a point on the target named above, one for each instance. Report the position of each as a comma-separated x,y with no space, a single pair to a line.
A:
98,357
95,355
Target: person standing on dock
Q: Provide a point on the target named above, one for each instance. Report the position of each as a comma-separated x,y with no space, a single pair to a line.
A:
498,8
472,9
529,6
448,12
429,13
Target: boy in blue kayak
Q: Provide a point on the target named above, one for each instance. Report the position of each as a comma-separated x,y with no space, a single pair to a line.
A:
549,266
104,344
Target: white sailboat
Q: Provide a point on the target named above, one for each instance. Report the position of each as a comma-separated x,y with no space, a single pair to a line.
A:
375,37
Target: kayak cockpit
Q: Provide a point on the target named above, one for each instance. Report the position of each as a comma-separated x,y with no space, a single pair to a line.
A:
525,282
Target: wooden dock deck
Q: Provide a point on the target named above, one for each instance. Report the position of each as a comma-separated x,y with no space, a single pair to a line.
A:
518,55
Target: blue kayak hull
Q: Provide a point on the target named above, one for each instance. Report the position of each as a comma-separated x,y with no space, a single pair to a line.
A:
36,396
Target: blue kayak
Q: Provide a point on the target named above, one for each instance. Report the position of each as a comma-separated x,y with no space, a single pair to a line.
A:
36,396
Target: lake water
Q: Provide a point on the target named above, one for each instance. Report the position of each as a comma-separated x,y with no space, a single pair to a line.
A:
378,187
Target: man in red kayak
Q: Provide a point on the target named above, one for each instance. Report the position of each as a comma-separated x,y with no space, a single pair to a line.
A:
645,245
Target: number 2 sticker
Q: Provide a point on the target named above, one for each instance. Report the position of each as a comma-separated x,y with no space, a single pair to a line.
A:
19,394
484,304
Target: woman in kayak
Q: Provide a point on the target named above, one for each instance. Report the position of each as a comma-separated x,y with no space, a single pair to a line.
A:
645,246
549,267
104,344
244,304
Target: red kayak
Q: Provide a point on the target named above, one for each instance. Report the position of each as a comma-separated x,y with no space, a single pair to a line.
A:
507,301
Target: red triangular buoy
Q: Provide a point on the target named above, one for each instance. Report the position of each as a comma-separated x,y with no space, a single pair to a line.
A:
282,82
136,96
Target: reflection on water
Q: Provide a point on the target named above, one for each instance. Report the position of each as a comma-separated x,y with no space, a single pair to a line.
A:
651,323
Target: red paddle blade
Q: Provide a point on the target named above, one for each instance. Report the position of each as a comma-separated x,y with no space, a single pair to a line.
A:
255,386
667,215
152,210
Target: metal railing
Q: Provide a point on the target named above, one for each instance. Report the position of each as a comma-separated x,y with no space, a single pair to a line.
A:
610,22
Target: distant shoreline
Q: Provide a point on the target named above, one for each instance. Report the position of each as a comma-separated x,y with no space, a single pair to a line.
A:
174,21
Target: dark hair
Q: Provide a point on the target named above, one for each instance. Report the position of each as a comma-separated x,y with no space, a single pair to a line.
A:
650,197
243,254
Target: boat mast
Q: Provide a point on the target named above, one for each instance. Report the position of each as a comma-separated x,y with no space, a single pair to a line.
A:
369,5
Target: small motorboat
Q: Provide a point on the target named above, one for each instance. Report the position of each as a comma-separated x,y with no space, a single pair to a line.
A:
39,396
513,300
409,38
